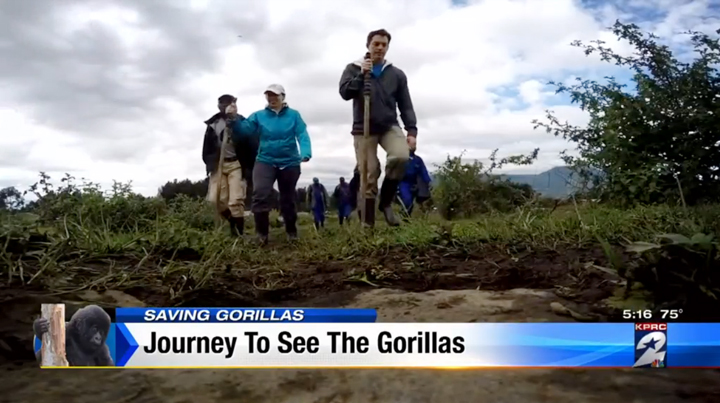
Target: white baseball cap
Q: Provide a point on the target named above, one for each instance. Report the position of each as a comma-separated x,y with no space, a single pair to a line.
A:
276,89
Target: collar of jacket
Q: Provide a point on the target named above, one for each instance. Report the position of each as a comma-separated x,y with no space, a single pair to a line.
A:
214,118
386,63
282,109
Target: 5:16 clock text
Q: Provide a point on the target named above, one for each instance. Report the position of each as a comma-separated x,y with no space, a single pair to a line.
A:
648,314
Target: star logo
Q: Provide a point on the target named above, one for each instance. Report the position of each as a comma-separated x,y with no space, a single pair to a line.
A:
651,344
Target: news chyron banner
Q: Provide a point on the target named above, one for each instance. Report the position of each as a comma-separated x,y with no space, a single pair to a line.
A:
321,338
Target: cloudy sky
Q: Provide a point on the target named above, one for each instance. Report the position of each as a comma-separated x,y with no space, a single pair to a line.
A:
118,90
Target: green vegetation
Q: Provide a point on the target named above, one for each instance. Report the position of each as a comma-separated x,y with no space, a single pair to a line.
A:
649,158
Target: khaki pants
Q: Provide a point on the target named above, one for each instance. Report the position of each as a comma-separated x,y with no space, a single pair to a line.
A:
232,189
395,145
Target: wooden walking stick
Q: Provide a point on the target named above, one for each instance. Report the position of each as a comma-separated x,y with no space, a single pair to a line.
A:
367,90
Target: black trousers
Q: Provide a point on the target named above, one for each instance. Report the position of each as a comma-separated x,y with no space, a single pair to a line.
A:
264,177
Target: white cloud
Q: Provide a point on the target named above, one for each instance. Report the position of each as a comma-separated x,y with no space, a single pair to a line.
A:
477,76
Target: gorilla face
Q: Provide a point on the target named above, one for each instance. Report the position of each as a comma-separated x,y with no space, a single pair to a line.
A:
91,325
94,337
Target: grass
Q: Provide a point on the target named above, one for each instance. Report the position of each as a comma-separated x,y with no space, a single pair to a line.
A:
177,249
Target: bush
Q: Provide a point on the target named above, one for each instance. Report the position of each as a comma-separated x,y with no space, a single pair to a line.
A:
11,199
87,205
185,187
467,189
658,142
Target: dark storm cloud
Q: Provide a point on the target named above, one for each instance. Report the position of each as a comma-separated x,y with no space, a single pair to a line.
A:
80,81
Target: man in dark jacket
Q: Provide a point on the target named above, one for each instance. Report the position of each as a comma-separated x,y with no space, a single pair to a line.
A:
237,166
318,198
355,191
342,196
389,93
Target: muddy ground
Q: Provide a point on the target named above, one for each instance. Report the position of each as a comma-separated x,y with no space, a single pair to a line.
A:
432,287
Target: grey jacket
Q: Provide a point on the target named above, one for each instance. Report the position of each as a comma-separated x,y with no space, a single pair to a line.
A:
389,93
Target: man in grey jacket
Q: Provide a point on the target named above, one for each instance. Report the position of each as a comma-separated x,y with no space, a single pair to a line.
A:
389,93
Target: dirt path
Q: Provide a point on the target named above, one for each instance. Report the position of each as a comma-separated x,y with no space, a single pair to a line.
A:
25,383
433,287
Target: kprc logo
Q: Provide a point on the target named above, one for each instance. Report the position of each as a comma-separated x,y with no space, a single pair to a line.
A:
650,345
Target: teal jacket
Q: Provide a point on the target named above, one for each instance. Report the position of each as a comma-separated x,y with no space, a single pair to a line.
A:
279,135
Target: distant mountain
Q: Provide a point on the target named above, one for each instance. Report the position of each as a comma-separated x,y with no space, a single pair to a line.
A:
556,182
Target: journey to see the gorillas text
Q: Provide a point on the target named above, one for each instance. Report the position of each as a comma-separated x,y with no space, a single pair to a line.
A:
286,343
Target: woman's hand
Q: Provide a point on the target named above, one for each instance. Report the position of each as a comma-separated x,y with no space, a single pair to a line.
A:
231,111
305,159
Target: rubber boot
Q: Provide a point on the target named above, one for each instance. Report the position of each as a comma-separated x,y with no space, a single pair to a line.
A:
262,227
369,218
341,219
229,218
237,225
226,215
240,226
387,195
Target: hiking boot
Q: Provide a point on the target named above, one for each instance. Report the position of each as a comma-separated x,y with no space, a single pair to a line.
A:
262,227
369,216
387,195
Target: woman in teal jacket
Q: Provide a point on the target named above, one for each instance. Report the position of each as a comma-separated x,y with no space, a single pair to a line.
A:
280,130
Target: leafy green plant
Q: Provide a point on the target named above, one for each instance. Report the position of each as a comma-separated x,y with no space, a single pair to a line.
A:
656,142
467,189
680,270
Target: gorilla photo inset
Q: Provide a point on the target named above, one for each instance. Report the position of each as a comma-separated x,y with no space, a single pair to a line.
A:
85,337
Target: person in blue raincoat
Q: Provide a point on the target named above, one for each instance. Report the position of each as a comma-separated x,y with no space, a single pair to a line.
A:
318,197
280,129
415,185
343,198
